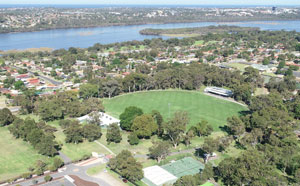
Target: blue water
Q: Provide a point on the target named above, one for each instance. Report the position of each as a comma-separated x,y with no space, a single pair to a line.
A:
86,37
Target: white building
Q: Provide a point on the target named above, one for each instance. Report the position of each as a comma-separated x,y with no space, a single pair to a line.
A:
219,91
105,119
158,176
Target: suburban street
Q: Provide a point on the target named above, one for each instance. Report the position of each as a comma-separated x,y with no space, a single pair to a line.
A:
54,82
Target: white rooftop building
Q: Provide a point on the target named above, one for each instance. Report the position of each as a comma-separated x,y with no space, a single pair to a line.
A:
104,118
158,176
219,91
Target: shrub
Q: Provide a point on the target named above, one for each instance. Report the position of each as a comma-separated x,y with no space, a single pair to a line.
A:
47,178
27,175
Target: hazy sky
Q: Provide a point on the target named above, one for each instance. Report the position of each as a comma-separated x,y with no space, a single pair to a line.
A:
186,2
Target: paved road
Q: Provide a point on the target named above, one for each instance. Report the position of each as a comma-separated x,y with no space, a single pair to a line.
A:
54,82
71,169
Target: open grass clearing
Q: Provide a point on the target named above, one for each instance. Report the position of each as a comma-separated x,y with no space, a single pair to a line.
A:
200,42
96,170
198,105
16,155
239,66
141,148
76,151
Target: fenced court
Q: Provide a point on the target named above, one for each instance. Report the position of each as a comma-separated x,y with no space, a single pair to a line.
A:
185,166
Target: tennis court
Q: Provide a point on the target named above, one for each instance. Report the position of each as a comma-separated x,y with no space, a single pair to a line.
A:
185,166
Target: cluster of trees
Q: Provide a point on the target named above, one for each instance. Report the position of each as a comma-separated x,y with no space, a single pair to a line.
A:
6,117
190,77
172,132
57,106
125,165
197,30
39,135
270,146
76,133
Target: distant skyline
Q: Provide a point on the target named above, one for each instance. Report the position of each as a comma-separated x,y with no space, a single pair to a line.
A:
157,2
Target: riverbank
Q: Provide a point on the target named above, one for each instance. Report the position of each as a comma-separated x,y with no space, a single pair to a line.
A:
87,37
224,21
32,50
191,32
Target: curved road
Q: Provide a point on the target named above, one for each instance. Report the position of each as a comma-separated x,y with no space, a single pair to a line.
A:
71,169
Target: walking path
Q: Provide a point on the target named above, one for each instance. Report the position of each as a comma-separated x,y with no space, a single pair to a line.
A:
65,158
105,147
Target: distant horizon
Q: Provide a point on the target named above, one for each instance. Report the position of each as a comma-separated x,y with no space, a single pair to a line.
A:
150,4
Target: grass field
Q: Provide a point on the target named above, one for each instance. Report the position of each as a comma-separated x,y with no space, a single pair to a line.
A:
198,105
200,42
141,148
16,156
238,66
73,151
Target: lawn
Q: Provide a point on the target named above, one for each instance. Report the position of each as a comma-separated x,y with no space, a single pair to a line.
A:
76,151
73,151
16,156
200,42
239,66
2,102
141,148
96,170
198,105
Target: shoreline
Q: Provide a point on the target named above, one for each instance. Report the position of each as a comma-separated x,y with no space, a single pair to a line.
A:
257,21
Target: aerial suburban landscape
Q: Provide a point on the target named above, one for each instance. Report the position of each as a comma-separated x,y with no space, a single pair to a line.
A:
175,95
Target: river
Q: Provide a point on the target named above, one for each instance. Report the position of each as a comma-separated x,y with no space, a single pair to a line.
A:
86,37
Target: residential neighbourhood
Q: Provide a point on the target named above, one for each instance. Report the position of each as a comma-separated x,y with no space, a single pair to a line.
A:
212,105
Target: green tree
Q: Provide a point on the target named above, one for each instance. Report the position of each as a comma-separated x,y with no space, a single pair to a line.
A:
113,133
133,139
57,163
159,121
210,145
266,61
127,117
297,47
202,129
144,126
6,117
19,85
236,125
47,146
40,167
159,150
92,132
50,110
47,178
74,134
176,127
250,168
88,90
125,164
188,180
